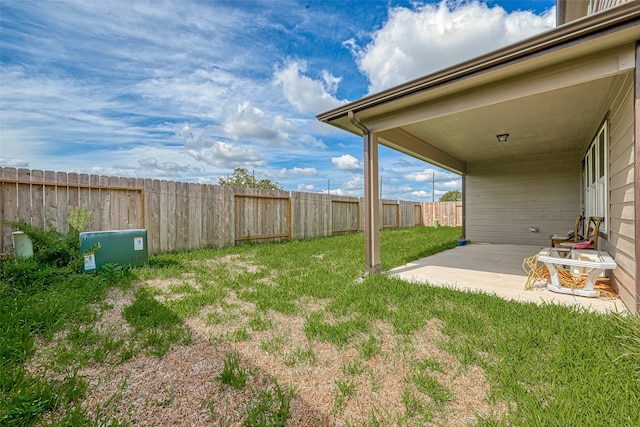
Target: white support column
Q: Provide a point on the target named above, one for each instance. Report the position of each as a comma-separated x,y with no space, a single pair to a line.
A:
371,205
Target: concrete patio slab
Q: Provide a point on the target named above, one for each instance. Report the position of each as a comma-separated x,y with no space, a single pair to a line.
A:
493,269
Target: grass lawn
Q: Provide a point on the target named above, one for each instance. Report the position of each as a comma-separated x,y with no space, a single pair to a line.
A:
289,334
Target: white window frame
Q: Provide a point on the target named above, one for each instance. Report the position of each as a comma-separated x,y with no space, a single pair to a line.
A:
595,176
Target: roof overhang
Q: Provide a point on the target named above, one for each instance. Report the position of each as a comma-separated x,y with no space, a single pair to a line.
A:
548,92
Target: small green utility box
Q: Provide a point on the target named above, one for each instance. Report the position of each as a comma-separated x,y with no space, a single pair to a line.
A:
122,247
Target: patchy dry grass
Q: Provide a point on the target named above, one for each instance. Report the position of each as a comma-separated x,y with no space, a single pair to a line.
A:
285,335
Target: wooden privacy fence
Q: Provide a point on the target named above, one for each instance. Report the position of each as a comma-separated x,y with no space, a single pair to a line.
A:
180,215
447,213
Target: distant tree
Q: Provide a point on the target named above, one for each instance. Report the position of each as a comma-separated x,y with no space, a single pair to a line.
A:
451,196
242,178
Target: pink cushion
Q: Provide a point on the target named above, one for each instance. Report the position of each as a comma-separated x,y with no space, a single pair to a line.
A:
582,245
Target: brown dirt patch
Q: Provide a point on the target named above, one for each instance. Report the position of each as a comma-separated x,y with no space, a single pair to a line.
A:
180,389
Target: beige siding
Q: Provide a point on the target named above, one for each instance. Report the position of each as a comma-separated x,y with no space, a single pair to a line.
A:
620,235
506,197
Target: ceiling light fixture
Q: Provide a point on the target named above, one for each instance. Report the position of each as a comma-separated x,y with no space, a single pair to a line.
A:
502,137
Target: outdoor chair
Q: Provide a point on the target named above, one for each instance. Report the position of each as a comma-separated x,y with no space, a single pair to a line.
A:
573,236
591,241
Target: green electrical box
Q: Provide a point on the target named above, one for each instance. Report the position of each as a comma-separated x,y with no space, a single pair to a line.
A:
122,247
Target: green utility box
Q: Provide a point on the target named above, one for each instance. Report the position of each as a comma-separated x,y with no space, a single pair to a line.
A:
122,247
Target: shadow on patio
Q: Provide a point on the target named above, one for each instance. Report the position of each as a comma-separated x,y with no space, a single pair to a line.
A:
492,269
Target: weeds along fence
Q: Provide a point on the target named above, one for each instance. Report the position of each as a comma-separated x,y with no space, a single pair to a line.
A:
180,215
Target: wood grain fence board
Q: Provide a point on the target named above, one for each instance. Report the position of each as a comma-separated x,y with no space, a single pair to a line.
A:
167,216
227,236
50,199
218,205
170,198
95,196
24,196
219,210
84,191
105,204
152,195
114,204
115,199
194,223
84,197
320,204
417,214
298,227
72,191
206,237
217,215
62,195
182,224
134,211
123,205
37,199
406,213
240,227
10,204
141,207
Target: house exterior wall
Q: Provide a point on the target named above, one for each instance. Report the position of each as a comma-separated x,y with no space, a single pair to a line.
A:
620,242
506,197
570,10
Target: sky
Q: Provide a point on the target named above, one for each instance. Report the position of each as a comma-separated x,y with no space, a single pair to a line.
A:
190,90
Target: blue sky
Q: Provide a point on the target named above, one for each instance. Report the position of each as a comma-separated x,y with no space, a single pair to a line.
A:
189,90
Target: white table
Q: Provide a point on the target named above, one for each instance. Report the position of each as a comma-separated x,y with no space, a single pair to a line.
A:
590,262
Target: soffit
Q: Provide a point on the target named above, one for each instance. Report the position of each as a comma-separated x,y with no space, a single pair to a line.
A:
559,121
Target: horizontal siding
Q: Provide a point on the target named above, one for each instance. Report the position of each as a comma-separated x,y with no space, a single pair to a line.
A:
622,181
504,198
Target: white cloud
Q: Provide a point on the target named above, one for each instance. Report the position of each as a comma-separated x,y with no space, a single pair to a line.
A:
355,183
13,162
430,37
450,185
305,187
164,169
304,171
293,172
202,146
337,192
226,155
423,176
346,162
420,194
303,92
311,142
249,122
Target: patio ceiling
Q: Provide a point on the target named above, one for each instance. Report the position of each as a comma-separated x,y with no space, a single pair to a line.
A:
550,100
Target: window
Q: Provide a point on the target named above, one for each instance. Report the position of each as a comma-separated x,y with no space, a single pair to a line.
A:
595,177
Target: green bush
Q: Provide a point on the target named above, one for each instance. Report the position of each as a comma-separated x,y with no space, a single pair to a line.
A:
51,247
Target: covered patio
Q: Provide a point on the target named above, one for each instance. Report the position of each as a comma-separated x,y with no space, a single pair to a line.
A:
541,131
493,269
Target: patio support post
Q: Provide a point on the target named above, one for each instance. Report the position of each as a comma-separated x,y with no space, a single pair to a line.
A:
371,199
